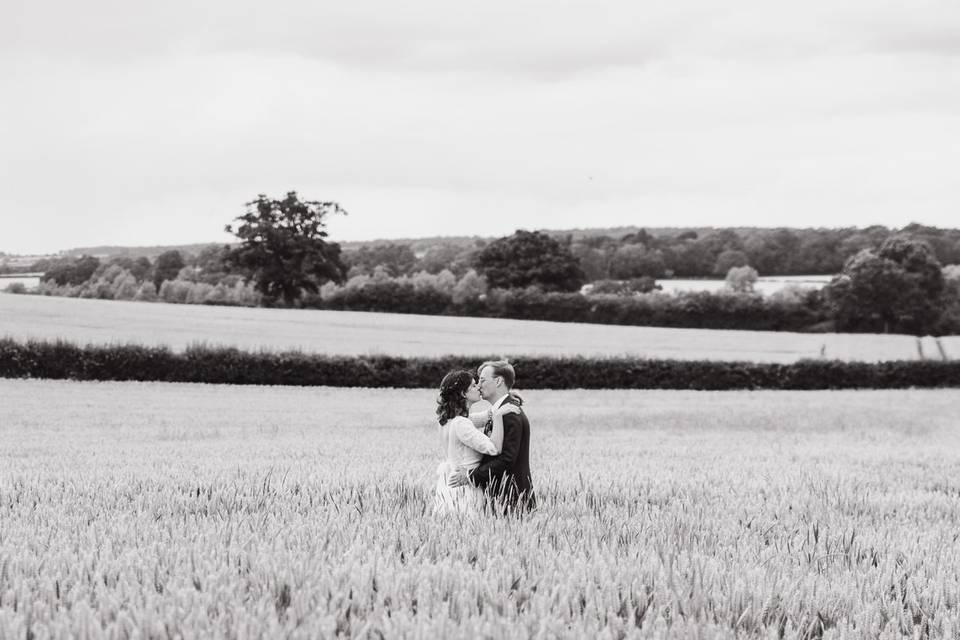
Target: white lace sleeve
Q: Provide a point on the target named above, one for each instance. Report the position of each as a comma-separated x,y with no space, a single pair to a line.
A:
479,418
471,437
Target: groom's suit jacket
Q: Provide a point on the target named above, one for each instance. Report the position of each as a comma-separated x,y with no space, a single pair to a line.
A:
506,476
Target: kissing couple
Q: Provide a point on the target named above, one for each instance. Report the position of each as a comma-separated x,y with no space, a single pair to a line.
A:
487,462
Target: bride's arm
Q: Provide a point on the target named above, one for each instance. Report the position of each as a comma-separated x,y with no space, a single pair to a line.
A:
480,418
473,437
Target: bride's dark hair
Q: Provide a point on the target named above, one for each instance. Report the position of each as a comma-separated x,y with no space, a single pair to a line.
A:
451,401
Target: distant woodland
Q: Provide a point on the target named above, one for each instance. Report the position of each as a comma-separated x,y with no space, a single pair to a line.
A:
625,252
885,280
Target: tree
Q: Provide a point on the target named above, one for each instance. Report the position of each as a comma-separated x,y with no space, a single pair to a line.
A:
283,247
919,261
167,267
594,260
146,293
860,239
640,237
529,258
470,287
944,242
690,258
819,253
444,282
72,272
635,261
211,263
950,322
898,288
741,279
124,286
16,287
438,257
772,252
141,268
729,259
399,259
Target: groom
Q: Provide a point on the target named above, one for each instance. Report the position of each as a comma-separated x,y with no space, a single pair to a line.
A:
505,477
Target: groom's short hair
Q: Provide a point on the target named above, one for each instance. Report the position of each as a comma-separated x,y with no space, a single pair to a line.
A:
503,369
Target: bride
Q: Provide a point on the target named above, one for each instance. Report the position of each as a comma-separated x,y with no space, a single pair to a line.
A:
465,444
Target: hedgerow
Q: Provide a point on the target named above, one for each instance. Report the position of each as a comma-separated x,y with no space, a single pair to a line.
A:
226,365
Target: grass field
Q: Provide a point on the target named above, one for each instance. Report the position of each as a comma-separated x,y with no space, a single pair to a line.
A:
353,333
149,510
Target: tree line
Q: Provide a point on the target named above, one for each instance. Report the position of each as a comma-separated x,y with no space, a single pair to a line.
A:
673,253
887,280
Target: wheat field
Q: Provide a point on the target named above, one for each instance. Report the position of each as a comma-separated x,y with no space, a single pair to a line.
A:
355,333
167,510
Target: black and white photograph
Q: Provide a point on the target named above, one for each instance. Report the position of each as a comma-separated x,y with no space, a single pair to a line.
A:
497,320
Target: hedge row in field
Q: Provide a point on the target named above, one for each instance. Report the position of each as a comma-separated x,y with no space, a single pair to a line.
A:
62,360
695,310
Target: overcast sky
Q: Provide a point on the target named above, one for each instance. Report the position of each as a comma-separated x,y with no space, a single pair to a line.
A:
136,123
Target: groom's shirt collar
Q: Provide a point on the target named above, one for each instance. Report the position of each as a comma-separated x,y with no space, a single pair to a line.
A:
499,403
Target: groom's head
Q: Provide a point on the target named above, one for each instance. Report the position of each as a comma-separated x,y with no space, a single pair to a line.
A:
496,379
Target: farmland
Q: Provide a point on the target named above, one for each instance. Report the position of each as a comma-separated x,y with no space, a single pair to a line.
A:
354,333
133,509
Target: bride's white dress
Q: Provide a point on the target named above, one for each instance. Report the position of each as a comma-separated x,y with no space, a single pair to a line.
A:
465,446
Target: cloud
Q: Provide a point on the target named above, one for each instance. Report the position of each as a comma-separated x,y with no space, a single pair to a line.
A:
542,38
134,121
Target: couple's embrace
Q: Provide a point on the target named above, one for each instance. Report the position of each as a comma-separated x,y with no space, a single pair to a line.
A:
487,462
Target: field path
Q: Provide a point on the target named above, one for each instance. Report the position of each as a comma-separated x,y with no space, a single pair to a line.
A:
357,333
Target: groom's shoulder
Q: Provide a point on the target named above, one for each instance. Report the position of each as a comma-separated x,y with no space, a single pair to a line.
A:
521,416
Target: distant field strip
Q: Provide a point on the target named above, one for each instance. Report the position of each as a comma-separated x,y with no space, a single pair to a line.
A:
176,510
355,333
